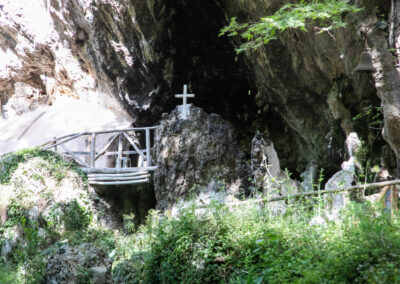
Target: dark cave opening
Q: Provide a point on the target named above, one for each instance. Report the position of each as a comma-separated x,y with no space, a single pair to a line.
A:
224,84
221,80
136,199
208,64
133,200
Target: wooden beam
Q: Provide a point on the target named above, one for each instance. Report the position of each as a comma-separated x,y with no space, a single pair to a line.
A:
134,145
99,132
74,156
81,153
55,142
88,142
62,137
119,158
148,156
106,147
64,141
118,175
127,129
118,178
93,150
124,152
308,193
119,182
114,170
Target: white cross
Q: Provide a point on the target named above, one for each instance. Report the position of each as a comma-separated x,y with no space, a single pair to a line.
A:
185,95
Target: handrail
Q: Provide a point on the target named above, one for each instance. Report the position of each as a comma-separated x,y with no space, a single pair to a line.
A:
123,130
59,138
308,193
100,132
91,145
62,142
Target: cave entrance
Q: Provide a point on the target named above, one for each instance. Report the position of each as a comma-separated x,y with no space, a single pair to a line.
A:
134,201
208,63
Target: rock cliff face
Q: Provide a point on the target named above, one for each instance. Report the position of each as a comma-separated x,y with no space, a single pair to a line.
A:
299,90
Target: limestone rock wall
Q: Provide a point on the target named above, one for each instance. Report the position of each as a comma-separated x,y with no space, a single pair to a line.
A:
132,56
305,79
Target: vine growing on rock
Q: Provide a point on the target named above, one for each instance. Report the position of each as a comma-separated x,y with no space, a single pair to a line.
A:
325,15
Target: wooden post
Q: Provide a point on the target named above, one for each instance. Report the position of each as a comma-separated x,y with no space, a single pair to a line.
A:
93,150
148,156
119,158
88,145
55,142
394,197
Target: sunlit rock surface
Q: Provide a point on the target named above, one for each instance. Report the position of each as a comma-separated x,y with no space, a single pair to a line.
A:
45,90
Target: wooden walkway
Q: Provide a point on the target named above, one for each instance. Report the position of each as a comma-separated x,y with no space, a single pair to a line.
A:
122,158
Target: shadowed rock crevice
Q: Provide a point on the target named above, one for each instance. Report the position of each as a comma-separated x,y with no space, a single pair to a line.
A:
126,200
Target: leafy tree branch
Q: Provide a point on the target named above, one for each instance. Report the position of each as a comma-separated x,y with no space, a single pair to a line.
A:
325,15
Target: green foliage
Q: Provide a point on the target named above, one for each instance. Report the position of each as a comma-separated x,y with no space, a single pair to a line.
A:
56,166
326,15
10,274
76,216
372,115
26,263
247,245
129,223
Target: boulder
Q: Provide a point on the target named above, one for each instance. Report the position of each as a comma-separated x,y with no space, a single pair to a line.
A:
195,155
76,264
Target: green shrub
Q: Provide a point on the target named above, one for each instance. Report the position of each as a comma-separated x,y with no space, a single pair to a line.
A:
10,274
248,245
76,216
55,164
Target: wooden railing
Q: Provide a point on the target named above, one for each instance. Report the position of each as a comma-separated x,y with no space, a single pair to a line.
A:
114,137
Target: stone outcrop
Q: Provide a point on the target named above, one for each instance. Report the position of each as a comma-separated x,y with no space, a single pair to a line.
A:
85,262
195,155
51,197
